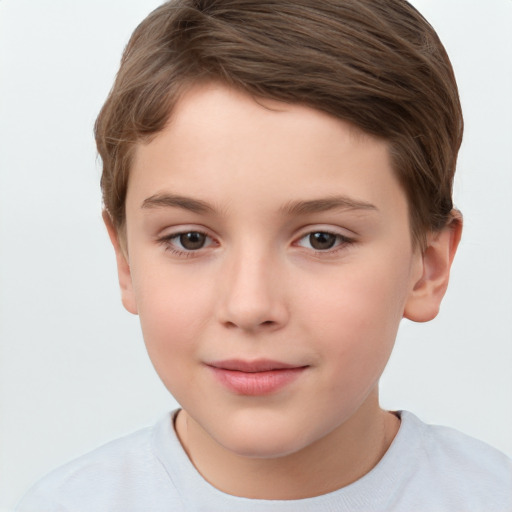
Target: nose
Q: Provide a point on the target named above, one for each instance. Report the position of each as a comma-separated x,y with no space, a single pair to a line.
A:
252,293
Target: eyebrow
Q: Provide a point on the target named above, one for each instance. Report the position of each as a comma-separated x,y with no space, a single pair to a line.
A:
177,201
326,204
291,208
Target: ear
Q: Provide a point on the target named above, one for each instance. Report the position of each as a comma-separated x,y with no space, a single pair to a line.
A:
425,298
123,266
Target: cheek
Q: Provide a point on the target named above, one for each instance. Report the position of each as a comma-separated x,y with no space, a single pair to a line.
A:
356,321
360,299
171,327
172,314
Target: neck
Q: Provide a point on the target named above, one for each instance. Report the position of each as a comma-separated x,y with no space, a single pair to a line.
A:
335,461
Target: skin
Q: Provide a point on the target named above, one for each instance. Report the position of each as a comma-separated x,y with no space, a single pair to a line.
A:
260,287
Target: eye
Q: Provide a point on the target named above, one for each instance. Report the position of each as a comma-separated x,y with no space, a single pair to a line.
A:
186,242
322,240
191,241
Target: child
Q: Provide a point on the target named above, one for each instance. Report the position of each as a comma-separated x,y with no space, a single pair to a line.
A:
277,184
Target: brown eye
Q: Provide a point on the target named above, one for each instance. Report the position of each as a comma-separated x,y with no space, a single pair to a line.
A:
322,241
192,241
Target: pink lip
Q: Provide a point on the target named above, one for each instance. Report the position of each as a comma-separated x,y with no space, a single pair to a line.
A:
253,378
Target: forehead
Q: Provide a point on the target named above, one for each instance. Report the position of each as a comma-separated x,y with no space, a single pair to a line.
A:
227,147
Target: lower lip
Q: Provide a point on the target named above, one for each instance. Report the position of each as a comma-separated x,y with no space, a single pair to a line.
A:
257,383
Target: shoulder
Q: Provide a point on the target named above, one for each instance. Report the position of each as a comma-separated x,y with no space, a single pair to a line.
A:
461,468
459,450
103,479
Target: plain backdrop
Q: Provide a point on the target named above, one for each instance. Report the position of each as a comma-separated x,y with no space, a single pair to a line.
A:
73,369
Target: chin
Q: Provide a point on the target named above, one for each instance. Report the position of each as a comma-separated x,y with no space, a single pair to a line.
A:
264,439
258,447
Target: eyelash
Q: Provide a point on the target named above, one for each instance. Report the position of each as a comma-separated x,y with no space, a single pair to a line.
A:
167,240
341,243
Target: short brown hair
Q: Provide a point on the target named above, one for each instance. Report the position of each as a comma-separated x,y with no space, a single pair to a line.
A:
377,64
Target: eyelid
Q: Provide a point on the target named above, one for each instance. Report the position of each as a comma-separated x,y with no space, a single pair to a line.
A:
344,239
170,235
325,228
180,229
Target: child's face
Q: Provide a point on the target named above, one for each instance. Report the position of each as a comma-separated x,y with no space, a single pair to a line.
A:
259,231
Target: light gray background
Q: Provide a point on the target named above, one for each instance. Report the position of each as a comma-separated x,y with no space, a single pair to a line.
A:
73,370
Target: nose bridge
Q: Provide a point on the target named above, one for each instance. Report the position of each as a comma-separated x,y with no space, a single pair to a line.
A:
252,293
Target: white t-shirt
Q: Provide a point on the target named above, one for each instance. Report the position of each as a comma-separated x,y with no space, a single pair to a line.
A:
426,468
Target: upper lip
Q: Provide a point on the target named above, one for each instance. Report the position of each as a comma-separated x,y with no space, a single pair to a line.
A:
258,365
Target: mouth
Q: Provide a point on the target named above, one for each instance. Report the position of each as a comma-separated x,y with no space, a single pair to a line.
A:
255,378
257,366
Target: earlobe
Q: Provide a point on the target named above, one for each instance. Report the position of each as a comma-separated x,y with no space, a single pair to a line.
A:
123,266
428,291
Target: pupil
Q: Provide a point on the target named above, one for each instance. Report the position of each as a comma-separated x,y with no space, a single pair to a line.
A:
322,241
192,240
